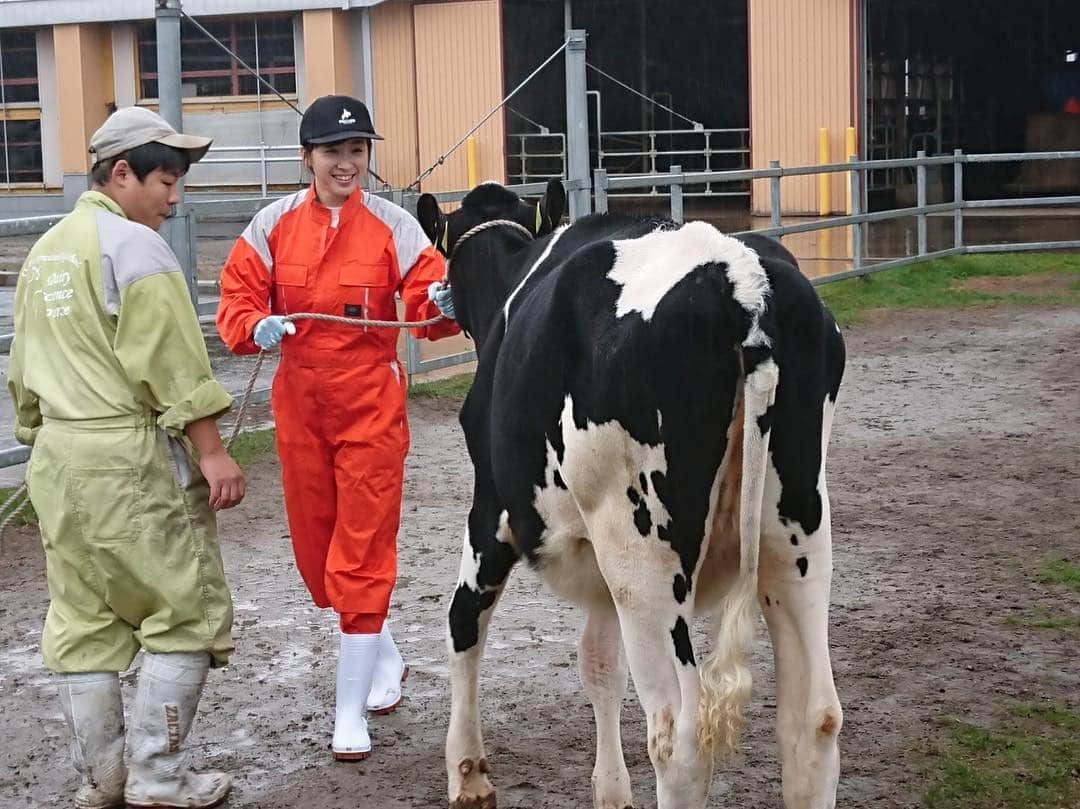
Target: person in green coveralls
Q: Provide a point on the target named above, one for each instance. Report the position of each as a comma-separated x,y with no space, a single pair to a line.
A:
112,387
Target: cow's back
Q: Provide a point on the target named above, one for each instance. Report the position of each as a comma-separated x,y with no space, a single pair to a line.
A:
630,348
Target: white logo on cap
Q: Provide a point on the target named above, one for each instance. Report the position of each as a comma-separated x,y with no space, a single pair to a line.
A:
346,117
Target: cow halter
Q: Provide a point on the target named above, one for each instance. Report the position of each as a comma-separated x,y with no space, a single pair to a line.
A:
485,226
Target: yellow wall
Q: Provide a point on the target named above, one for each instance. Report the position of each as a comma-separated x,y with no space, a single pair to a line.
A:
394,81
802,78
327,53
84,79
458,81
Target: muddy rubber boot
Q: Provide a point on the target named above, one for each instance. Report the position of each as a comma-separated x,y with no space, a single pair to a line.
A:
357,656
94,712
390,673
170,686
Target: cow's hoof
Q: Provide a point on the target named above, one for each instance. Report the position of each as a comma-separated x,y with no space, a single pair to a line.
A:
475,790
474,802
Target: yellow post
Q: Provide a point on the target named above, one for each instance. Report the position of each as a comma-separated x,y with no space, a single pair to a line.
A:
849,150
471,161
823,178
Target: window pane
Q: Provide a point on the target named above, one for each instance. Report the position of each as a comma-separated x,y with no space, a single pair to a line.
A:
207,70
19,51
23,142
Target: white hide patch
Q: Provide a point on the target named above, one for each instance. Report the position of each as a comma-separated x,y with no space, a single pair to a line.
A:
543,257
648,267
503,532
470,565
595,516
601,461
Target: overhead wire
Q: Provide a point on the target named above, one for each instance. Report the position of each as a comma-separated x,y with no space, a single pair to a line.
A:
442,158
625,86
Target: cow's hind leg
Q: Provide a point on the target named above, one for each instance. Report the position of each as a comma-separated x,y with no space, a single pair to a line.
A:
485,567
603,673
793,588
656,635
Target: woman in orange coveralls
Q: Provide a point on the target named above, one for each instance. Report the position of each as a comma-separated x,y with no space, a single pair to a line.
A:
339,392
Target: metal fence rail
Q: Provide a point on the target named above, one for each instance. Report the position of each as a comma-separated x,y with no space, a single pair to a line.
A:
676,181
654,151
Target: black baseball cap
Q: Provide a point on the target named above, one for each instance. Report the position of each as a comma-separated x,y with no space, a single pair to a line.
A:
330,119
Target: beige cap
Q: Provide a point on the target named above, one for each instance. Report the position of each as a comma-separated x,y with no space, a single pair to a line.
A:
136,126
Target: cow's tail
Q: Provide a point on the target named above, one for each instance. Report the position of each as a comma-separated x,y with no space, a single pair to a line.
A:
725,676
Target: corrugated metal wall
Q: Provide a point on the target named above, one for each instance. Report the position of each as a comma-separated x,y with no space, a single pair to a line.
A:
458,81
84,70
394,103
801,79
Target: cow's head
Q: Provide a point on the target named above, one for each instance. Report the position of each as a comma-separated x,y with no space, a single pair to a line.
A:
486,266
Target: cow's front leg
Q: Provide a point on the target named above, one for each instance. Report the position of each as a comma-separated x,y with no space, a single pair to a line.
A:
485,566
603,673
793,588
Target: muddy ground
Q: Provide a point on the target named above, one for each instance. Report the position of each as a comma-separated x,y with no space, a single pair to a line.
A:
953,472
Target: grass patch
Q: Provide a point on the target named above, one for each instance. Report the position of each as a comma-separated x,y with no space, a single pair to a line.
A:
1054,571
1060,571
251,446
939,284
1044,620
453,387
1027,760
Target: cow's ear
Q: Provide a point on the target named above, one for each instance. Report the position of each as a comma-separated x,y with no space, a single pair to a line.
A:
551,207
430,217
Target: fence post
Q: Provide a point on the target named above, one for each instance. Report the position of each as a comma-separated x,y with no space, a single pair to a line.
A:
677,195
577,124
920,201
856,209
824,199
774,195
958,197
600,189
412,357
262,167
177,230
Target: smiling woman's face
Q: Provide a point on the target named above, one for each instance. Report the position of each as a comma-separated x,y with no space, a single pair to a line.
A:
338,169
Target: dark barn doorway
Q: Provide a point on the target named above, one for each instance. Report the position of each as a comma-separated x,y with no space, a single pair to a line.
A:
978,75
689,57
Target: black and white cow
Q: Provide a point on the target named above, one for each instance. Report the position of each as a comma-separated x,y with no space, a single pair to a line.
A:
648,427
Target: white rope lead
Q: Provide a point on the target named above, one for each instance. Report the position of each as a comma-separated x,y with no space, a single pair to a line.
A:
16,500
18,505
352,321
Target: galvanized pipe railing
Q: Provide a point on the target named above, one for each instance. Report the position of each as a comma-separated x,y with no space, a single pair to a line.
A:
675,180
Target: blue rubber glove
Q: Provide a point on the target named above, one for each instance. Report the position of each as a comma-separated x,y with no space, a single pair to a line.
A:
270,330
443,298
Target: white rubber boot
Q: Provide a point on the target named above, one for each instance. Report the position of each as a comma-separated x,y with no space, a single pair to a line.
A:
390,673
94,711
170,686
356,666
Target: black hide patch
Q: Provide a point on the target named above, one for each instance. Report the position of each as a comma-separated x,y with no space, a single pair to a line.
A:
642,517
680,634
464,616
679,588
802,564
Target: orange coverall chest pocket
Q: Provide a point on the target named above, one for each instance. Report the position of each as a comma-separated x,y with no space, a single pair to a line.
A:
290,274
357,273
